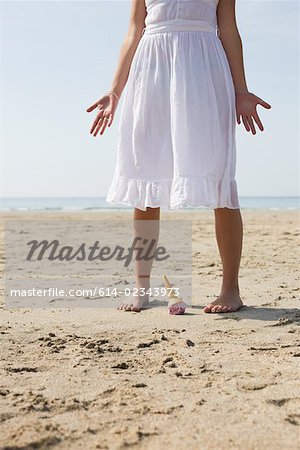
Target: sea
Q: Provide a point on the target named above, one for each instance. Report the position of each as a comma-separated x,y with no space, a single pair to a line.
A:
74,204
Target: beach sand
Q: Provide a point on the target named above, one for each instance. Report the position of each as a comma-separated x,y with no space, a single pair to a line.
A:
106,379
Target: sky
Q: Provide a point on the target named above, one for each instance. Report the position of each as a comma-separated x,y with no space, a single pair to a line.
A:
59,57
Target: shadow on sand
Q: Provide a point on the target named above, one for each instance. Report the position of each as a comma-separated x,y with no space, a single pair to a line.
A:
283,316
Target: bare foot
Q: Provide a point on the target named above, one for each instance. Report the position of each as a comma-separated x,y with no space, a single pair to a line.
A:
229,301
137,304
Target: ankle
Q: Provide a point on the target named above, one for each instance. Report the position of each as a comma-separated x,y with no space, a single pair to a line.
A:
230,289
142,291
143,282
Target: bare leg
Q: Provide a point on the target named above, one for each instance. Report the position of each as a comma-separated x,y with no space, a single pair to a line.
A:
229,234
147,231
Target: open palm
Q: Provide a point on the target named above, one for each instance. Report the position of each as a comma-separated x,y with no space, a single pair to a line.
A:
246,105
107,106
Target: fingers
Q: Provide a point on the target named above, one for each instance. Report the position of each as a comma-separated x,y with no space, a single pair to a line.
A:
111,118
106,114
251,124
102,124
245,122
264,104
99,124
91,108
246,108
103,119
103,102
258,122
96,121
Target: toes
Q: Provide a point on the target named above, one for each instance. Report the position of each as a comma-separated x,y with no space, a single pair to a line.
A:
211,308
125,307
128,307
220,309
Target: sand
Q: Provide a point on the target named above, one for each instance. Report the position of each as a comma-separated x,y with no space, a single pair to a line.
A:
88,378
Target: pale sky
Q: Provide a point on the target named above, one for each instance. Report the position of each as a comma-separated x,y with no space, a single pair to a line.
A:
58,57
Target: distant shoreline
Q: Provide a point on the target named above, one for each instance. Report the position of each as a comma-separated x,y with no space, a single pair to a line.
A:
99,204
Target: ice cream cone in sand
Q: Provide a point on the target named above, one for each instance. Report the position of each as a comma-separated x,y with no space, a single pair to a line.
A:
176,305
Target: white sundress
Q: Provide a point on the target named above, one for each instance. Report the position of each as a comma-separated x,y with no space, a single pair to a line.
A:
176,136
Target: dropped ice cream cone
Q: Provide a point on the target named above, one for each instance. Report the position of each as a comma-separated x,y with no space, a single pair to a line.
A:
176,305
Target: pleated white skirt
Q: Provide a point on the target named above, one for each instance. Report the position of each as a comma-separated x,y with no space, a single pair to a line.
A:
176,136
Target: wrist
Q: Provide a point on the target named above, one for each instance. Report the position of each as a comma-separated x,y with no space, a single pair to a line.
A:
115,91
112,92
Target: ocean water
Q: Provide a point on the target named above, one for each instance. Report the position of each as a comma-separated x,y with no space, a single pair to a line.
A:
99,204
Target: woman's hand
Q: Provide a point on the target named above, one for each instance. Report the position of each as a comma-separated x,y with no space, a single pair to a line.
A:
107,106
246,104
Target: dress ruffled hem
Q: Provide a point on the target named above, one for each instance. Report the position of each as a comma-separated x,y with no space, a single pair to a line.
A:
175,193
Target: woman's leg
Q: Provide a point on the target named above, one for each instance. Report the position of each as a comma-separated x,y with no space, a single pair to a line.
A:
146,229
229,234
